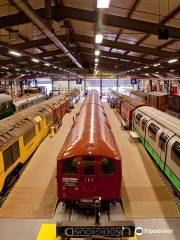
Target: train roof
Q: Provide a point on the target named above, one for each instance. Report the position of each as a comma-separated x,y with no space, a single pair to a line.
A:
5,98
165,119
138,93
17,124
90,134
157,93
133,101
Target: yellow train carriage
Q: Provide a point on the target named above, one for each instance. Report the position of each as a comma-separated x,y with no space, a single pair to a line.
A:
20,138
21,134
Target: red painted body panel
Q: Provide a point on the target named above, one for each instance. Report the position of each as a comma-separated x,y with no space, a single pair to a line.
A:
127,108
90,136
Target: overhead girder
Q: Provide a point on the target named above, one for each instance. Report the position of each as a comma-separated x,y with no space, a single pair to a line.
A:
90,16
88,39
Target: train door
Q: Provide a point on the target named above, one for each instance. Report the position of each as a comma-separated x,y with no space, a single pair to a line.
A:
88,177
109,176
162,145
153,131
172,168
40,133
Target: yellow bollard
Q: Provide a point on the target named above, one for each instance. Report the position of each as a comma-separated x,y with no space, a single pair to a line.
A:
52,132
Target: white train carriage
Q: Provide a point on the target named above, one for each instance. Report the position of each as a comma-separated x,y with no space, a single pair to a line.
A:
160,134
28,101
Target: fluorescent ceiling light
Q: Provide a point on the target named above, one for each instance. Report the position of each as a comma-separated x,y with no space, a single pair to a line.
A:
17,69
146,67
99,38
47,64
4,67
97,52
103,3
173,60
96,60
15,53
54,67
172,70
35,60
157,64
138,69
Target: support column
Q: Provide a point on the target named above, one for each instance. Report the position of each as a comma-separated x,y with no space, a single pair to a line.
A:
158,85
21,87
101,85
52,88
117,82
84,85
150,85
68,82
11,84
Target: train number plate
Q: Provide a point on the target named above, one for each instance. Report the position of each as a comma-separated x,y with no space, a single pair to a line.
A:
70,181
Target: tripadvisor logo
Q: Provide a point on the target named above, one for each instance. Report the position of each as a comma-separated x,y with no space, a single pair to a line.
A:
139,231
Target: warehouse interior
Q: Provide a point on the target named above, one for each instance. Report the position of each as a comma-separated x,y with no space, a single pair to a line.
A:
58,56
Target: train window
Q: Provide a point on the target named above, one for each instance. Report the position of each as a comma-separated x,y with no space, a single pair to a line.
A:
48,118
89,165
162,141
15,151
39,126
1,108
7,158
144,121
29,135
69,166
138,118
153,129
11,154
107,166
175,153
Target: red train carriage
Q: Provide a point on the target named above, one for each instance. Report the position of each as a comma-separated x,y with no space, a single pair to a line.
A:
89,164
127,108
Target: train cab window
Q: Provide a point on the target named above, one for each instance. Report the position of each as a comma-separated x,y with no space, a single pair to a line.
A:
162,141
152,131
1,108
175,153
11,154
29,135
107,166
143,124
39,126
48,119
138,118
15,150
89,165
7,158
69,166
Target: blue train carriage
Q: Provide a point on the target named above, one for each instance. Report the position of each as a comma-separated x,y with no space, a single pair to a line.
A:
6,106
160,134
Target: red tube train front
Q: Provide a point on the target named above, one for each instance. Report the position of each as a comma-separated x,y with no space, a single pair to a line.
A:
89,164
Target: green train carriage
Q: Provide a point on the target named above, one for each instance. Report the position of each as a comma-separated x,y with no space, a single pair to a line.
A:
6,106
160,134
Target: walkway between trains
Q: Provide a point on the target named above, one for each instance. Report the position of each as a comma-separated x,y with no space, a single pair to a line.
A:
143,191
34,195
